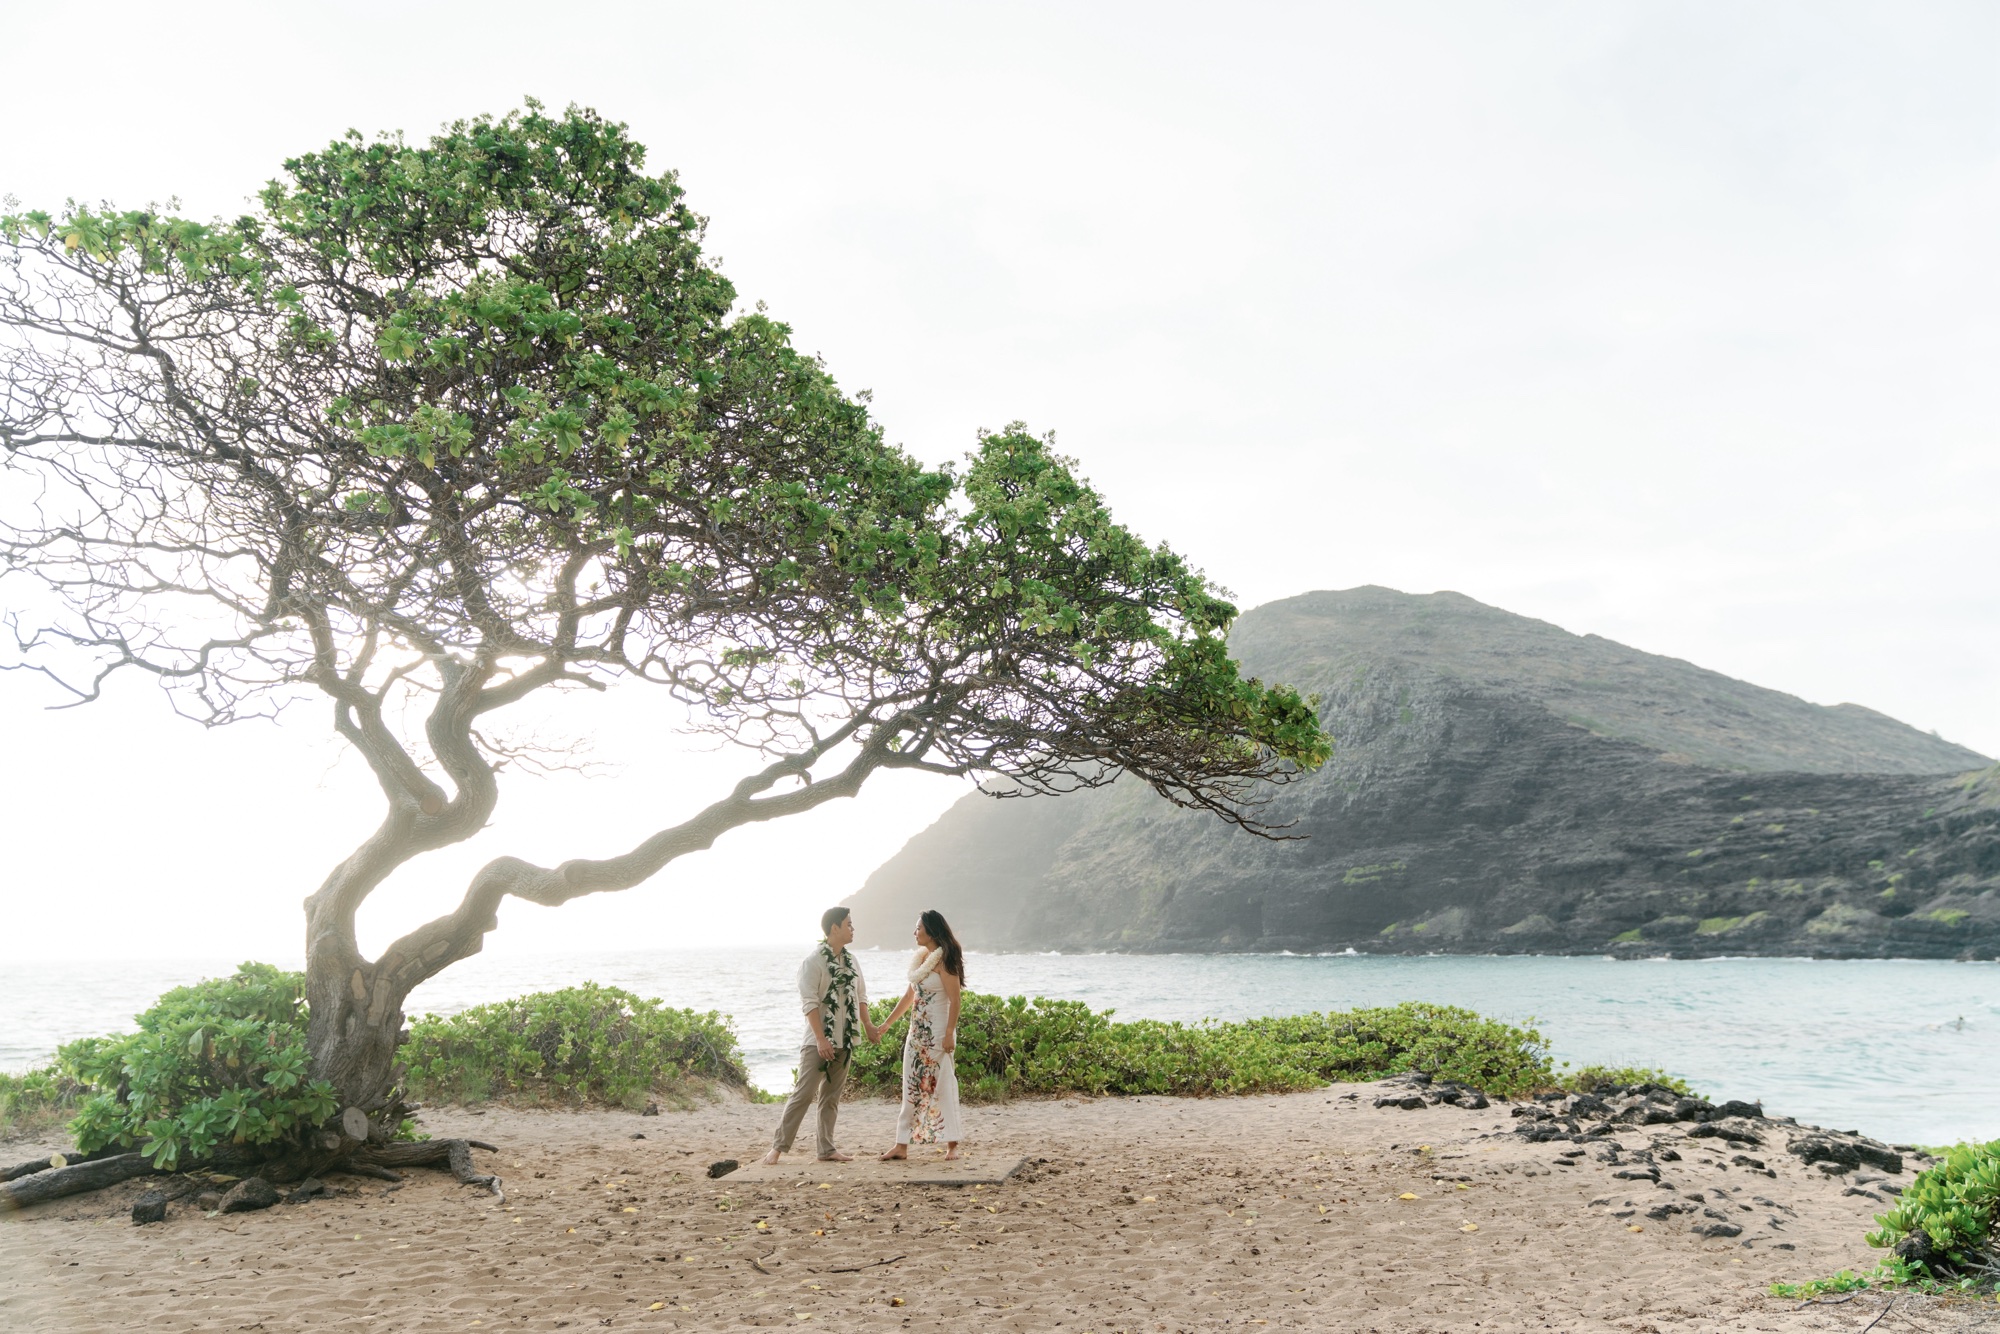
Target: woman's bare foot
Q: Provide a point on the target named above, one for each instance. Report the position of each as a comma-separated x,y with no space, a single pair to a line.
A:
771,1159
836,1157
951,1151
894,1155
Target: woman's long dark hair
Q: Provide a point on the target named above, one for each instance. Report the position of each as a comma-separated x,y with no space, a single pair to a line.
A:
939,931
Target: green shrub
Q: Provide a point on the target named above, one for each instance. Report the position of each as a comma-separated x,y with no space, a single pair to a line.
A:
1954,1201
1017,1046
585,1044
220,1062
37,1100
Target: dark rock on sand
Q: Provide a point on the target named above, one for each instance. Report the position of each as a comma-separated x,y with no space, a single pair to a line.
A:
1847,1151
150,1207
1736,1136
310,1188
723,1168
1917,1248
208,1201
248,1194
1717,1230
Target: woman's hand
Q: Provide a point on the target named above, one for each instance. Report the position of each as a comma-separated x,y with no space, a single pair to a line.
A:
950,1041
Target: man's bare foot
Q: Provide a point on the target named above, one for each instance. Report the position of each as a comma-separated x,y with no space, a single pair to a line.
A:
896,1154
771,1159
836,1157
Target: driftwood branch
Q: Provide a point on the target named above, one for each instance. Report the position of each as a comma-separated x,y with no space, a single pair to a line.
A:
35,1165
855,1269
73,1180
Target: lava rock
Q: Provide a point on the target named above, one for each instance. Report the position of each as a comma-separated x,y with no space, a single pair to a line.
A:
310,1188
1670,1155
208,1201
1717,1230
650,1109
723,1168
248,1194
1846,1151
1745,1160
1917,1248
1736,1136
1735,1107
150,1207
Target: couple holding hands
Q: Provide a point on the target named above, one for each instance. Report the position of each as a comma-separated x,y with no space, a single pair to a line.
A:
835,1000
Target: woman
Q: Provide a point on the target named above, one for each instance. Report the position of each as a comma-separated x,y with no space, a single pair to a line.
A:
930,1083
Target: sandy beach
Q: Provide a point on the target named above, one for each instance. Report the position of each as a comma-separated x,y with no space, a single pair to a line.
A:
1305,1211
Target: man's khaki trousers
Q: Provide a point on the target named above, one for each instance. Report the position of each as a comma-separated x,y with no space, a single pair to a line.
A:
826,1085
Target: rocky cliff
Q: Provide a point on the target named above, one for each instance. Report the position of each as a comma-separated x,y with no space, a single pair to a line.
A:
1500,785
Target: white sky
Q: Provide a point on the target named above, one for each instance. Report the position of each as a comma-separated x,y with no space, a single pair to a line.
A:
1671,322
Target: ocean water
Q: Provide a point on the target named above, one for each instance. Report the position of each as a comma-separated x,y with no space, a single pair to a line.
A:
1905,1050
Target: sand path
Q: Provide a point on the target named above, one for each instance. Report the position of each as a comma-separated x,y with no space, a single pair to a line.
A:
1132,1214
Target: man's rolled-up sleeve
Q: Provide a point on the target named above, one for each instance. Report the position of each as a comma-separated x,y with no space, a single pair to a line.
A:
812,983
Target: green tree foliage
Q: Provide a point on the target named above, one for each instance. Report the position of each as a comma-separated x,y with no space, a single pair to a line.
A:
443,425
581,1045
1017,1046
222,1062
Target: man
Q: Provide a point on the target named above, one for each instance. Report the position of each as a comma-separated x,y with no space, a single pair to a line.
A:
835,1000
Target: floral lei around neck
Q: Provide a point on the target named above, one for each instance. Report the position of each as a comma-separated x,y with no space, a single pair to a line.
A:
839,997
929,965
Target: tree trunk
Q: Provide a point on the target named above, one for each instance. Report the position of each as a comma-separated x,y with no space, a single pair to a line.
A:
351,1038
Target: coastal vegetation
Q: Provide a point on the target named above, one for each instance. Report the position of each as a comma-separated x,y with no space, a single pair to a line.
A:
1014,1046
444,427
218,1068
1943,1234
582,1046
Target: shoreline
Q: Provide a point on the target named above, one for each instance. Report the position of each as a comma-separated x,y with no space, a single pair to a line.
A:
1313,1210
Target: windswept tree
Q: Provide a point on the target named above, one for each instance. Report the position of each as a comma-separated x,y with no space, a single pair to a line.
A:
442,428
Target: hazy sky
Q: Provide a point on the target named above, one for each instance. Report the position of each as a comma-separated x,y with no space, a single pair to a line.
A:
1670,322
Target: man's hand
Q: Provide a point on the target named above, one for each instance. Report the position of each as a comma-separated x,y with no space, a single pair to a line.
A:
825,1047
870,1029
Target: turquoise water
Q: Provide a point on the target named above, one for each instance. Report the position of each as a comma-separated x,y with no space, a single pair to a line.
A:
1905,1050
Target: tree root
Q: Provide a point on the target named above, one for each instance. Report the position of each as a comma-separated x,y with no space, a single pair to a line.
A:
55,1182
455,1154
41,1180
20,1170
353,1168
